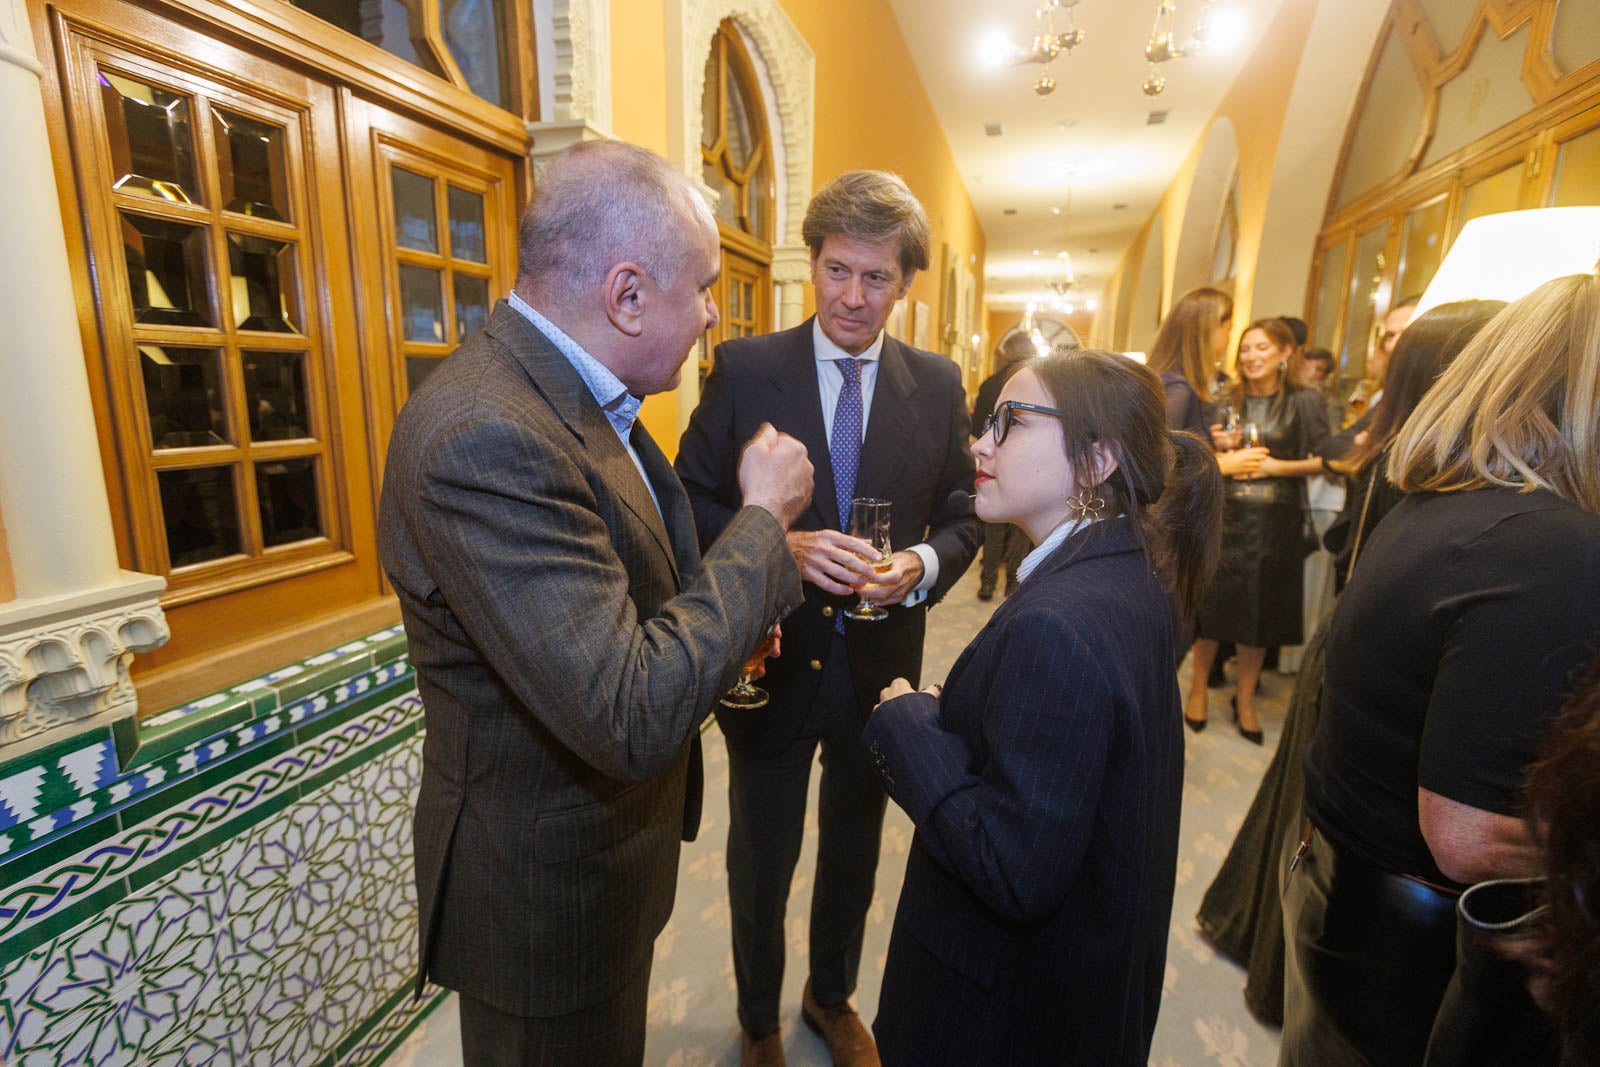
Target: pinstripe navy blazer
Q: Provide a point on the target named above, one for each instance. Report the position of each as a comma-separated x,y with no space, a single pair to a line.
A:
1045,784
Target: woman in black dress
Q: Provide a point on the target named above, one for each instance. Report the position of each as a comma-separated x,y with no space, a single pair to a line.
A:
1471,609
1255,600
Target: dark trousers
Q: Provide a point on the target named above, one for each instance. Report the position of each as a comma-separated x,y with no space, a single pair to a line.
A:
1003,544
604,1034
767,808
1368,957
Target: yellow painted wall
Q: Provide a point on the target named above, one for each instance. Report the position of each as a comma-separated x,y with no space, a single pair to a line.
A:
8,584
1256,104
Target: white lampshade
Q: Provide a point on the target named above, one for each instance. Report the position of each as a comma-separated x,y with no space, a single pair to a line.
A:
1507,256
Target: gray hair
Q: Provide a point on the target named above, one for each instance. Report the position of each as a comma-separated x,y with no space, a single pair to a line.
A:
872,206
601,203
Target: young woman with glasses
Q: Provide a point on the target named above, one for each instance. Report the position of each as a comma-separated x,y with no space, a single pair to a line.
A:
1044,778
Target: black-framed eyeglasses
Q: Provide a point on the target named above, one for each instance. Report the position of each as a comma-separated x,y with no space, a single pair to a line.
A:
999,424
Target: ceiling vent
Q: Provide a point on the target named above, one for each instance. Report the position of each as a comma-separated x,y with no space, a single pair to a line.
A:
1156,118
1119,207
1009,211
993,129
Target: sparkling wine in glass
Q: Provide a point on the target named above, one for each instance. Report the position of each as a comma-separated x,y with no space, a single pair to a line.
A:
745,694
1252,435
869,520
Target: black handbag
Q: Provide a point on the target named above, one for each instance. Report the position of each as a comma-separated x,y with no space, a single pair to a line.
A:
1487,1017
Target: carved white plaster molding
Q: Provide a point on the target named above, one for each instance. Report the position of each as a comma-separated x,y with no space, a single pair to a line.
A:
580,85
790,66
64,660
16,46
551,138
791,264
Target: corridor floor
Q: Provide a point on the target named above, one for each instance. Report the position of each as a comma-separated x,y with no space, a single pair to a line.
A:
1203,1019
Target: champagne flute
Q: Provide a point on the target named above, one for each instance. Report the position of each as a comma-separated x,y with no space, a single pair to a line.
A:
744,694
869,520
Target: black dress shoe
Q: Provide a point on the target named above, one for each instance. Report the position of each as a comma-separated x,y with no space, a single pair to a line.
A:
985,592
1255,737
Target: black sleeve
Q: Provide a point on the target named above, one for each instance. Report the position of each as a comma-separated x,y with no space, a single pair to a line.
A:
1184,411
1521,615
1311,415
708,455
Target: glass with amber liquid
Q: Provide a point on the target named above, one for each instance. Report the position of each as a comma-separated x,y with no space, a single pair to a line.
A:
745,694
869,520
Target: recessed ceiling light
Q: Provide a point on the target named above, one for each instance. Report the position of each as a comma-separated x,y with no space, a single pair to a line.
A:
1055,211
1035,251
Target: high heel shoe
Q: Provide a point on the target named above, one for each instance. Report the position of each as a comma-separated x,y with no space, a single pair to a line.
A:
1196,725
1255,737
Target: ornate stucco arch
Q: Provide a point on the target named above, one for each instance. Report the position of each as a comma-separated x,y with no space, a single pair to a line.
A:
788,72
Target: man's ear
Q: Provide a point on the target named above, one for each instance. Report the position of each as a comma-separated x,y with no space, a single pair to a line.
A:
625,298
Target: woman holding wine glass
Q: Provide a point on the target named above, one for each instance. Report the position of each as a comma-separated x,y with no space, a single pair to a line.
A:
1044,779
1255,601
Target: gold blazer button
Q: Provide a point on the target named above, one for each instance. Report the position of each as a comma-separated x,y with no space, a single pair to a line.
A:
827,611
816,664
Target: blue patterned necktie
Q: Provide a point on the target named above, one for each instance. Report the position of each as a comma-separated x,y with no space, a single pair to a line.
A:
844,448
844,443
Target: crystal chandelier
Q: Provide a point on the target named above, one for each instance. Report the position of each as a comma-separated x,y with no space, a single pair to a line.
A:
1049,42
1162,46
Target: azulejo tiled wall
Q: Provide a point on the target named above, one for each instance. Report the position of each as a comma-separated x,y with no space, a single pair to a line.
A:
228,882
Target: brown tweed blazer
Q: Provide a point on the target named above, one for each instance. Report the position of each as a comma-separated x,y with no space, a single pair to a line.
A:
568,643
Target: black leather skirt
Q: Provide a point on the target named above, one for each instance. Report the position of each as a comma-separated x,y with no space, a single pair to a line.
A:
1369,956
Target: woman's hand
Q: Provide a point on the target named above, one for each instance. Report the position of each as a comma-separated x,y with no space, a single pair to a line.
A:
1225,440
1241,462
900,687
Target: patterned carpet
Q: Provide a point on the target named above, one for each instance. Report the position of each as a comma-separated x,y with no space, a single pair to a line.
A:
692,1024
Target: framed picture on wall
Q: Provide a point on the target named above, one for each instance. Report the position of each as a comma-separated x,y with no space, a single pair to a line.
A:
921,321
897,326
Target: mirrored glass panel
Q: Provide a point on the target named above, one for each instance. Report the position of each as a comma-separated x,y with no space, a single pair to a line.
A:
727,207
152,144
1360,312
473,31
200,512
262,284
466,225
741,138
396,26
760,193
1575,35
710,111
417,370
251,166
1578,172
421,303
1330,284
415,224
183,393
166,271
1492,195
1421,248
275,395
472,305
286,490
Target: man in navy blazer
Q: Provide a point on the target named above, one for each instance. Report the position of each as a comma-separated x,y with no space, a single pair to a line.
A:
879,419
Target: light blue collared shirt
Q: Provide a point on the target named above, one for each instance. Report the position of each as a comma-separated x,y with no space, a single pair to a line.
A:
830,382
620,407
1031,561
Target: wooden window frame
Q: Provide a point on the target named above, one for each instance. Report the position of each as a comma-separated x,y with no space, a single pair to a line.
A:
237,618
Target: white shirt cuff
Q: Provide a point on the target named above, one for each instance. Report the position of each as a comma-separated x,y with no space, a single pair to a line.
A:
930,574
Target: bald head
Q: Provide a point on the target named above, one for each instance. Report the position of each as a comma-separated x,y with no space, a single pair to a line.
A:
601,203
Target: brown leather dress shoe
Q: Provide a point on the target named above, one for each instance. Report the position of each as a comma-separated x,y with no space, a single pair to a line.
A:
847,1038
761,1051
